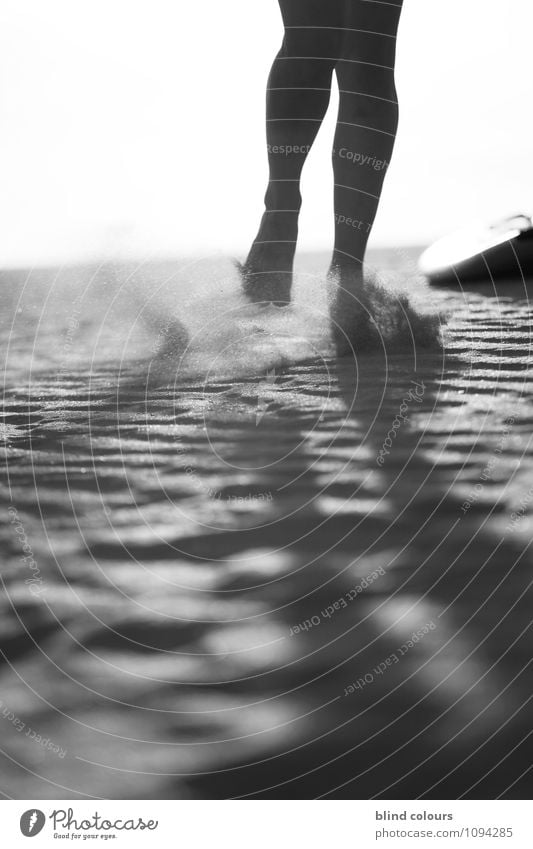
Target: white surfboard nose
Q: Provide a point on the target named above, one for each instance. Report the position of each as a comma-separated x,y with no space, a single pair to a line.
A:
472,251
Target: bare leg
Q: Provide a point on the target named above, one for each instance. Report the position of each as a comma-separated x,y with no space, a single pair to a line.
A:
364,141
367,123
298,95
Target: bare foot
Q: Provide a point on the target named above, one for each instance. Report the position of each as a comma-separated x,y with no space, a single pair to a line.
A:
266,286
352,324
366,316
267,271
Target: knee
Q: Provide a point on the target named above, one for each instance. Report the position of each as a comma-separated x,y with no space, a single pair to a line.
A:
372,100
295,68
312,48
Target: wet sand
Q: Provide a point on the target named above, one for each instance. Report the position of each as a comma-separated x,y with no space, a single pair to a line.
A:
248,569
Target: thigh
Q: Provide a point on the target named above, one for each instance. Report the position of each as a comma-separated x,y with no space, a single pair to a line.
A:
370,29
314,27
362,30
319,13
375,15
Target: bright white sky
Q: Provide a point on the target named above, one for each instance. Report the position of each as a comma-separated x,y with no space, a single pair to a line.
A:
131,127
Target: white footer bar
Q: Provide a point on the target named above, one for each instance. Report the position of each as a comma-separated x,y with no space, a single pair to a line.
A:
266,824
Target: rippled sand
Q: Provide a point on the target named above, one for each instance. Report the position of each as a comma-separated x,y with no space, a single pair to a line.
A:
231,538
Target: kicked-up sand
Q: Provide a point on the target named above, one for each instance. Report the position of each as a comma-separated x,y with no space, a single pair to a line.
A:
237,566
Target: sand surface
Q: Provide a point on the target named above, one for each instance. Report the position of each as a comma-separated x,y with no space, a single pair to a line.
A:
230,538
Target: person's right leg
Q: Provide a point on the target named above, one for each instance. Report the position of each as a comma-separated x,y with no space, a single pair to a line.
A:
367,123
364,140
297,99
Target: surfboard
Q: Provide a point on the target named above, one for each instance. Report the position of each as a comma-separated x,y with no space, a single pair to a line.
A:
497,251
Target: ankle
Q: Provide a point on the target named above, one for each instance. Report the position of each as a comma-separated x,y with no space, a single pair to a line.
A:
350,252
344,266
278,225
271,255
283,197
